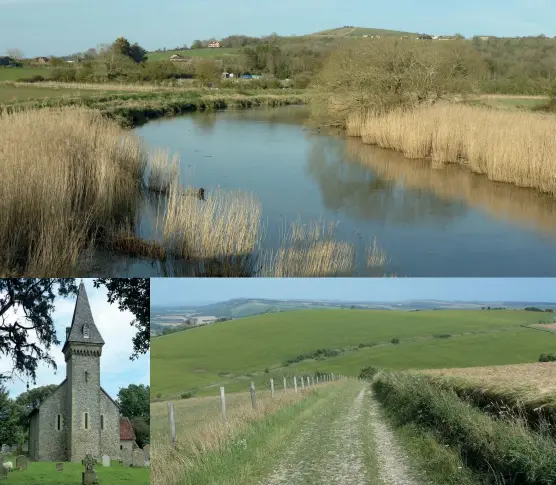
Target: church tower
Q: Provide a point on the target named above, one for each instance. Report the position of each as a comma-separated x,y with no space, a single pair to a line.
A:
82,351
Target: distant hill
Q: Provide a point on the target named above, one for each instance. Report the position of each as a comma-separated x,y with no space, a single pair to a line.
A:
245,307
360,32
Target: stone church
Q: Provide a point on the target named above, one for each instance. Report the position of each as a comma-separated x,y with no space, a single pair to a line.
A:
79,417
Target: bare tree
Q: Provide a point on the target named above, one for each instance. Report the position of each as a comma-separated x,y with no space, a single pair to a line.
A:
15,53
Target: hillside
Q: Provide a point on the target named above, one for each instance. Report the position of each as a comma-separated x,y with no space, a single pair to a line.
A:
238,351
360,32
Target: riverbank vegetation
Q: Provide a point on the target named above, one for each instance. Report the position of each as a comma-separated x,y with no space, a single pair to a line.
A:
410,97
495,450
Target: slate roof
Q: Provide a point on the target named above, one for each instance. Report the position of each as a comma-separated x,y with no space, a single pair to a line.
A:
126,430
82,316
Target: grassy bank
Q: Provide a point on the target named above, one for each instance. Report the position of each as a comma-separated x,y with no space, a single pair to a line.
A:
527,390
131,108
499,451
512,147
207,450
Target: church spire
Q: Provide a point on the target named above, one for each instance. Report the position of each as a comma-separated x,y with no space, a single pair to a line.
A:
83,328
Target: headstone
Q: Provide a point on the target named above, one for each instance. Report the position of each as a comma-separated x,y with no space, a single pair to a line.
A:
138,460
21,462
25,448
105,460
3,472
89,476
126,457
59,467
5,450
147,452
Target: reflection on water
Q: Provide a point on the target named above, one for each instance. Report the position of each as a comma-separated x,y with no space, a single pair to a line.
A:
447,222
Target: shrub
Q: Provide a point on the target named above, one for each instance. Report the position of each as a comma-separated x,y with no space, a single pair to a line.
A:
395,341
500,451
547,358
369,372
188,395
37,78
443,335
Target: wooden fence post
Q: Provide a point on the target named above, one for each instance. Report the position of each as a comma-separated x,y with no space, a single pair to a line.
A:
253,396
295,383
172,423
223,404
302,382
285,384
271,387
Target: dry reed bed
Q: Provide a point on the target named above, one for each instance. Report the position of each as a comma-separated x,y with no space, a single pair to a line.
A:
513,147
211,434
66,175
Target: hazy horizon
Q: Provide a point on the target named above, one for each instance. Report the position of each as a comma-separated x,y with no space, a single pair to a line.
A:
170,293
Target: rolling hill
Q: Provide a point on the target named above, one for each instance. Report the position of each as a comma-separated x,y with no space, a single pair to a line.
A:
256,348
360,32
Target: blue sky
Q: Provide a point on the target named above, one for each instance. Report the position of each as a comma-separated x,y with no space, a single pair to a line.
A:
45,27
116,370
194,291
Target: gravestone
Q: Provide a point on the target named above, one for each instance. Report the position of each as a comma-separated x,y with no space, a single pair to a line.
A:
59,467
105,460
138,459
21,462
5,450
147,452
25,448
126,457
3,472
89,476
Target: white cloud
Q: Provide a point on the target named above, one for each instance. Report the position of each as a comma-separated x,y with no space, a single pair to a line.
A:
116,369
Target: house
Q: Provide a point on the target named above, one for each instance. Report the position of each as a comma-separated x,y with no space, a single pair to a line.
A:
485,37
127,435
79,417
42,60
7,61
214,45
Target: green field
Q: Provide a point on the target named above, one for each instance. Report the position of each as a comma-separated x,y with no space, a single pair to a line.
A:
10,92
236,352
206,53
44,473
15,73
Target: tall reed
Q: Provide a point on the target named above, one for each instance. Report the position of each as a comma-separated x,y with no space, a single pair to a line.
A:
68,176
513,147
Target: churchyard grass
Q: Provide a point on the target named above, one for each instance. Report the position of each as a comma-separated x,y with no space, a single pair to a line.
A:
44,473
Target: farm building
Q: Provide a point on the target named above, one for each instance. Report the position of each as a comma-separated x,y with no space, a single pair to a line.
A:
7,61
177,57
214,45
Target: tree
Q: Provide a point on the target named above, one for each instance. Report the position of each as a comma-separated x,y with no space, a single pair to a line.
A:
197,44
26,327
57,62
134,401
137,53
142,431
15,53
132,294
11,430
207,71
122,47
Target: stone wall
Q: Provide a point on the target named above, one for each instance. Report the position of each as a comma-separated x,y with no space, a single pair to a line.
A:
52,443
110,435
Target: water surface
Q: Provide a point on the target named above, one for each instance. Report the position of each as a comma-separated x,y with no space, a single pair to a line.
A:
447,222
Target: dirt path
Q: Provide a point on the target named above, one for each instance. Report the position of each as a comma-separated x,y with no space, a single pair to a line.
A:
393,466
329,447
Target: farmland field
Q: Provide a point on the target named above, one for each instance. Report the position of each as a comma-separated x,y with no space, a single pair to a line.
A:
205,53
10,92
15,73
255,348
